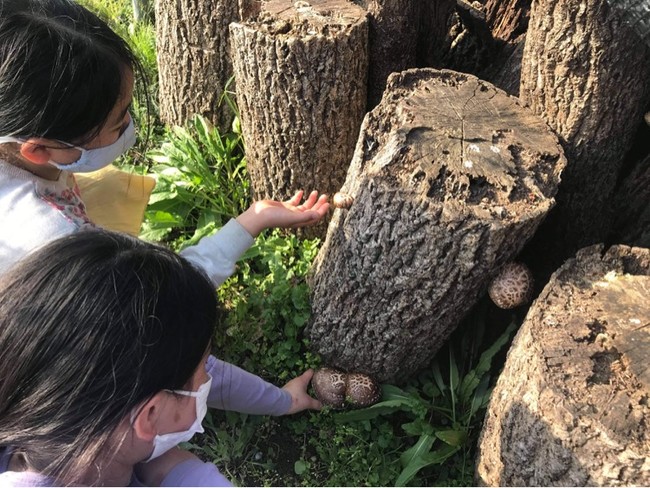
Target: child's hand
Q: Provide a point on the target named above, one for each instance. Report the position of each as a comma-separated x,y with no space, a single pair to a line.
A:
300,400
264,214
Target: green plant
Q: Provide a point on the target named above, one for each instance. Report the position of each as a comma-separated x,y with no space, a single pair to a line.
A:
443,410
201,183
268,306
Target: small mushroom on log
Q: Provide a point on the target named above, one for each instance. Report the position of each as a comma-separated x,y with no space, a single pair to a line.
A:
512,287
342,200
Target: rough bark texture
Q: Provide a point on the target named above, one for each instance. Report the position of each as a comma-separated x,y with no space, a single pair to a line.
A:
301,89
505,71
193,61
632,207
571,405
434,32
586,73
450,177
507,19
393,38
636,13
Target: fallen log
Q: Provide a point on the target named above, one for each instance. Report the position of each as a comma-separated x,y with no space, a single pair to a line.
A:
449,179
571,405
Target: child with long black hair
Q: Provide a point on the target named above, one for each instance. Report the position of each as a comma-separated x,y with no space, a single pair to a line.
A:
105,367
66,85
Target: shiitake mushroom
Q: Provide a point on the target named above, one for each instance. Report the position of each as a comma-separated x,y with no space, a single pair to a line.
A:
336,388
329,386
513,286
342,200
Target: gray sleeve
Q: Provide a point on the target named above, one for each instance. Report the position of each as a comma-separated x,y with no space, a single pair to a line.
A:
240,391
194,472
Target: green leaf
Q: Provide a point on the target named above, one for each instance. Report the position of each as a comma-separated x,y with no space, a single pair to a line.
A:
473,378
418,427
454,438
381,408
300,466
435,457
421,447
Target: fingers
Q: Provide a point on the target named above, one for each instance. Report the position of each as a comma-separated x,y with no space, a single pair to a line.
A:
311,200
295,200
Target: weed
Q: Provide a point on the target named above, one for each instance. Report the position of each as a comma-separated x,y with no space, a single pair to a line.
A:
201,183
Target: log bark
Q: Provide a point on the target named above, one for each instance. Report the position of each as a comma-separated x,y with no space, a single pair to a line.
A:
301,89
636,14
393,40
507,19
508,22
193,61
450,177
571,405
632,207
434,32
586,73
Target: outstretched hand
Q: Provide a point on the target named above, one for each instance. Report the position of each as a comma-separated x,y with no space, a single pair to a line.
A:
300,399
265,214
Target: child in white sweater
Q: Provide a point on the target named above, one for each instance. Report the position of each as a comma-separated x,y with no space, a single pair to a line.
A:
66,84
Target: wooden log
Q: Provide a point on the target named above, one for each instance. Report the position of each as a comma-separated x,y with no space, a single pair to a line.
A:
450,177
632,207
571,405
508,22
393,39
507,19
301,72
586,73
193,61
433,36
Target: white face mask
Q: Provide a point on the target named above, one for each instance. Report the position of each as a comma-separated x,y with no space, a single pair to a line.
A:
165,442
92,159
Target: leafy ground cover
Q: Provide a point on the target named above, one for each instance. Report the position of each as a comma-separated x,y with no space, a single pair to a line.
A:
423,433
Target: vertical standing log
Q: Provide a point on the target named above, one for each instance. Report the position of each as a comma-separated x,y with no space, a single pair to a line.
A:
586,73
434,32
450,177
507,19
632,207
393,38
301,72
193,61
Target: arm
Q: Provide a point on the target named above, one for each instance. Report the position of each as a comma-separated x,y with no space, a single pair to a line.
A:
218,253
240,391
179,468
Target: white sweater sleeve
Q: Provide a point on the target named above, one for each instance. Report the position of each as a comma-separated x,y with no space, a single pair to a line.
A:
217,254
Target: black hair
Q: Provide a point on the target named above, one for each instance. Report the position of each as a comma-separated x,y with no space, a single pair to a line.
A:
91,326
61,70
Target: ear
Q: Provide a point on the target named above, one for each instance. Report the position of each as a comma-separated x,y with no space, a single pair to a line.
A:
145,424
36,150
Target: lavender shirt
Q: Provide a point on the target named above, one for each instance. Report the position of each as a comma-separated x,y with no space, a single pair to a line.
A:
232,389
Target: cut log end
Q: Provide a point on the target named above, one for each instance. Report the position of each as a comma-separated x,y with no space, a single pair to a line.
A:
307,17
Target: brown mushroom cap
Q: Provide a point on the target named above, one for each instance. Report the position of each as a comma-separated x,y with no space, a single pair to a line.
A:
362,390
342,200
512,287
329,386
